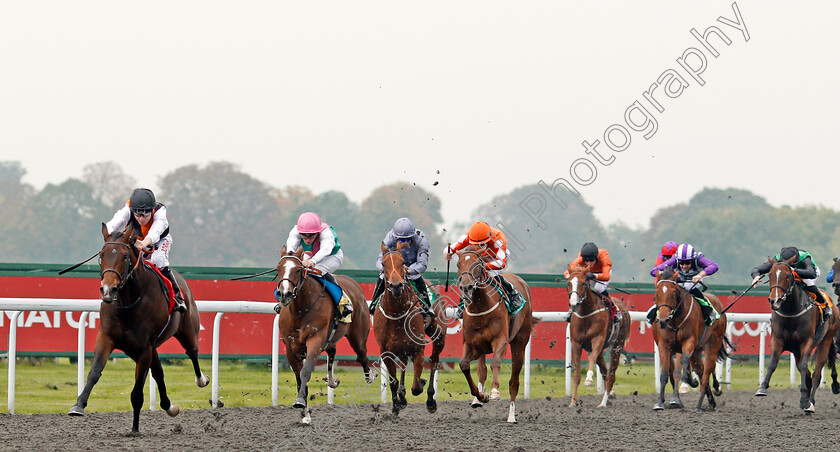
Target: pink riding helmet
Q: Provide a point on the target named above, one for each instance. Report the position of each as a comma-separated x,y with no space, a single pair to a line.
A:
310,223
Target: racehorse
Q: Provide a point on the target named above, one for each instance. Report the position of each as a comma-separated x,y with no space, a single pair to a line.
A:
135,318
309,325
795,328
592,330
400,330
489,328
681,329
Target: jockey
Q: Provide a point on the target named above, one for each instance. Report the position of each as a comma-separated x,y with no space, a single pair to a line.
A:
830,277
416,257
149,217
598,264
804,267
692,268
321,252
492,244
669,248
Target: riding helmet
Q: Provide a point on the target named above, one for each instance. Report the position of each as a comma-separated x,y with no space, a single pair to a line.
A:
142,199
404,228
479,233
788,252
686,252
589,251
669,248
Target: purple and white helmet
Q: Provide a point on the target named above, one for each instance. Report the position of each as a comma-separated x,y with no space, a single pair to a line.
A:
685,252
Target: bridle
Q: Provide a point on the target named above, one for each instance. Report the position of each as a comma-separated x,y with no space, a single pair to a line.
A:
481,281
129,268
587,290
395,269
676,308
789,279
296,285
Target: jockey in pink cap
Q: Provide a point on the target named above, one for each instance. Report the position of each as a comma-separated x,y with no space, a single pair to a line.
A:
321,250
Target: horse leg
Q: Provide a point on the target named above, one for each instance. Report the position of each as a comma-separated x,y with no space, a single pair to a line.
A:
667,369
802,357
393,384
157,373
517,359
358,343
313,349
190,344
434,362
602,365
711,350
403,401
469,355
104,347
576,352
816,377
417,386
832,359
775,354
499,349
597,350
481,369
141,369
330,378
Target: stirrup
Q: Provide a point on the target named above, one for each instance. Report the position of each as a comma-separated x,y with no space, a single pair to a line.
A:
180,305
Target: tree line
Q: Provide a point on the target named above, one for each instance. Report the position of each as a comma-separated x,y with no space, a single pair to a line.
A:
223,217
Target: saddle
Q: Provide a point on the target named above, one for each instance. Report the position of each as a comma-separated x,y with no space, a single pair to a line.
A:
615,314
165,285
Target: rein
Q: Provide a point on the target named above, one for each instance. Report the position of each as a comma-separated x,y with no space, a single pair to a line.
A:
298,284
587,291
480,282
675,309
404,278
127,273
787,291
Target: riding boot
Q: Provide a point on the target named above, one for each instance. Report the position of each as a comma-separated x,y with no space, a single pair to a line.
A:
651,314
329,277
708,314
423,295
459,313
514,298
821,300
377,292
180,306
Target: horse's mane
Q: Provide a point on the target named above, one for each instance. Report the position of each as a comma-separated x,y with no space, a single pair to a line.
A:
667,273
577,269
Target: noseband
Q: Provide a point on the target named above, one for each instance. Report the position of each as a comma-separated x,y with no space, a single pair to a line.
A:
129,269
787,290
790,280
295,285
484,278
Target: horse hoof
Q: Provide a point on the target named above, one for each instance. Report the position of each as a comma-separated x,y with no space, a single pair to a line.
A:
659,406
494,394
134,433
762,392
684,388
675,404
202,381
416,392
306,418
476,403
299,403
396,409
587,382
173,410
431,406
76,411
835,388
612,394
422,384
805,404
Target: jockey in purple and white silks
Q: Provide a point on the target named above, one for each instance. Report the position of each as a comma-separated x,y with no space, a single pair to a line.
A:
692,268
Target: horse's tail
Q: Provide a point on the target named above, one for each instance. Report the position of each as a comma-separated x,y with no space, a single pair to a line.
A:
723,353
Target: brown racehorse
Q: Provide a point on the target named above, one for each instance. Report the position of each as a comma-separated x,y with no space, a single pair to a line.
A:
135,318
401,332
795,328
307,319
488,327
592,330
681,329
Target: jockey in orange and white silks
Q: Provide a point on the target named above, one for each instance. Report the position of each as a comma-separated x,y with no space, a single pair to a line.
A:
491,244
149,217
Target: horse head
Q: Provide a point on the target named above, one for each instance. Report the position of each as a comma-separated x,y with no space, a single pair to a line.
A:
115,262
393,267
836,283
577,287
667,297
781,283
290,274
471,274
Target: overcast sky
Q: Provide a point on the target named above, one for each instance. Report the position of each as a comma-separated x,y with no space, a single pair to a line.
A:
346,95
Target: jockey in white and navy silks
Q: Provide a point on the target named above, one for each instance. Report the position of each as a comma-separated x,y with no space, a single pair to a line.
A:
416,257
692,268
152,225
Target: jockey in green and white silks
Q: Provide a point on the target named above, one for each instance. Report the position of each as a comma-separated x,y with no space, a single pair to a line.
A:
321,251
416,257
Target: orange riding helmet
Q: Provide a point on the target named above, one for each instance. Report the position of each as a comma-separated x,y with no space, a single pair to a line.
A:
479,233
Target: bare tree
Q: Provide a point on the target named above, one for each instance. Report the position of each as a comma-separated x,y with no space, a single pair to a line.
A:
110,184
